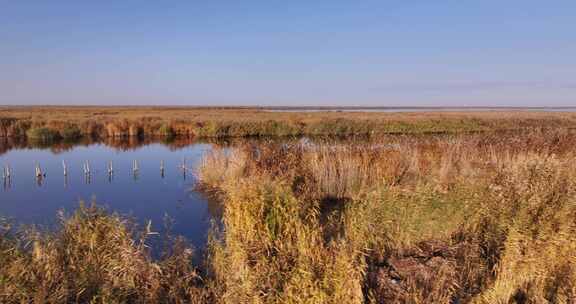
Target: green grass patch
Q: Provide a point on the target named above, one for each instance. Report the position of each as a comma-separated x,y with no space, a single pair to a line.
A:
43,134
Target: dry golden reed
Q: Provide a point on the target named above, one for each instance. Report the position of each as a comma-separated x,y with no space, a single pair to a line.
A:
436,219
477,218
50,122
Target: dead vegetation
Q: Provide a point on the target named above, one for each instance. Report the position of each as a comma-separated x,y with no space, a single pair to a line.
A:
448,219
477,218
102,122
94,257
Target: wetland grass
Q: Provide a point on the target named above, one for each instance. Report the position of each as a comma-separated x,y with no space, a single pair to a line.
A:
436,220
102,122
481,218
93,257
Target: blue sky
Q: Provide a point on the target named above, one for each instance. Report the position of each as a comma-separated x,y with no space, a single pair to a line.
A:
292,53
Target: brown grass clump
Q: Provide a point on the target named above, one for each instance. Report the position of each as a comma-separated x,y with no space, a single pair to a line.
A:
93,258
282,258
446,219
538,259
222,166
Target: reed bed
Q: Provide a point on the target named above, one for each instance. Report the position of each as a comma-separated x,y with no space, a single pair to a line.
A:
447,219
103,122
477,218
94,257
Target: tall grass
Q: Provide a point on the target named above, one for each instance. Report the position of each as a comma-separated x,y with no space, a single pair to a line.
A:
222,166
94,257
536,206
439,220
245,122
483,218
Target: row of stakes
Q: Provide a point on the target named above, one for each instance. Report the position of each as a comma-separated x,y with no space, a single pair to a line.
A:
39,174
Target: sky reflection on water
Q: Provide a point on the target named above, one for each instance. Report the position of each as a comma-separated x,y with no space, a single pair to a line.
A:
147,195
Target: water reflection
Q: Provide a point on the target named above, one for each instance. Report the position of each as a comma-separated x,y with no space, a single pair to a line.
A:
141,178
7,177
119,143
144,178
7,182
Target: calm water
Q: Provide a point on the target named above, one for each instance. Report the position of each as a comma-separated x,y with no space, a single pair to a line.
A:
146,196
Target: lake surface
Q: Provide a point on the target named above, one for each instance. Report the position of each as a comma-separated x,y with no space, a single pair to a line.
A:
147,195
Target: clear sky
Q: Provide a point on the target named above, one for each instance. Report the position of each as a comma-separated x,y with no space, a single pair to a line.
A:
293,53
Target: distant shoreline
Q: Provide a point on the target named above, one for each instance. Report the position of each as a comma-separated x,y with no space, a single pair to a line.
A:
418,109
390,109
67,122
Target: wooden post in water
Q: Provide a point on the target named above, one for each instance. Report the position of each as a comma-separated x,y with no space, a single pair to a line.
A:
135,169
110,171
183,167
38,171
162,168
87,174
86,168
38,174
65,168
7,176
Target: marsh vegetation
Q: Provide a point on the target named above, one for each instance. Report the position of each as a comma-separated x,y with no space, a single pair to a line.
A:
451,218
106,122
477,219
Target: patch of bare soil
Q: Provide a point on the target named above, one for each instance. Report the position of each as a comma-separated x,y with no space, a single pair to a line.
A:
431,272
